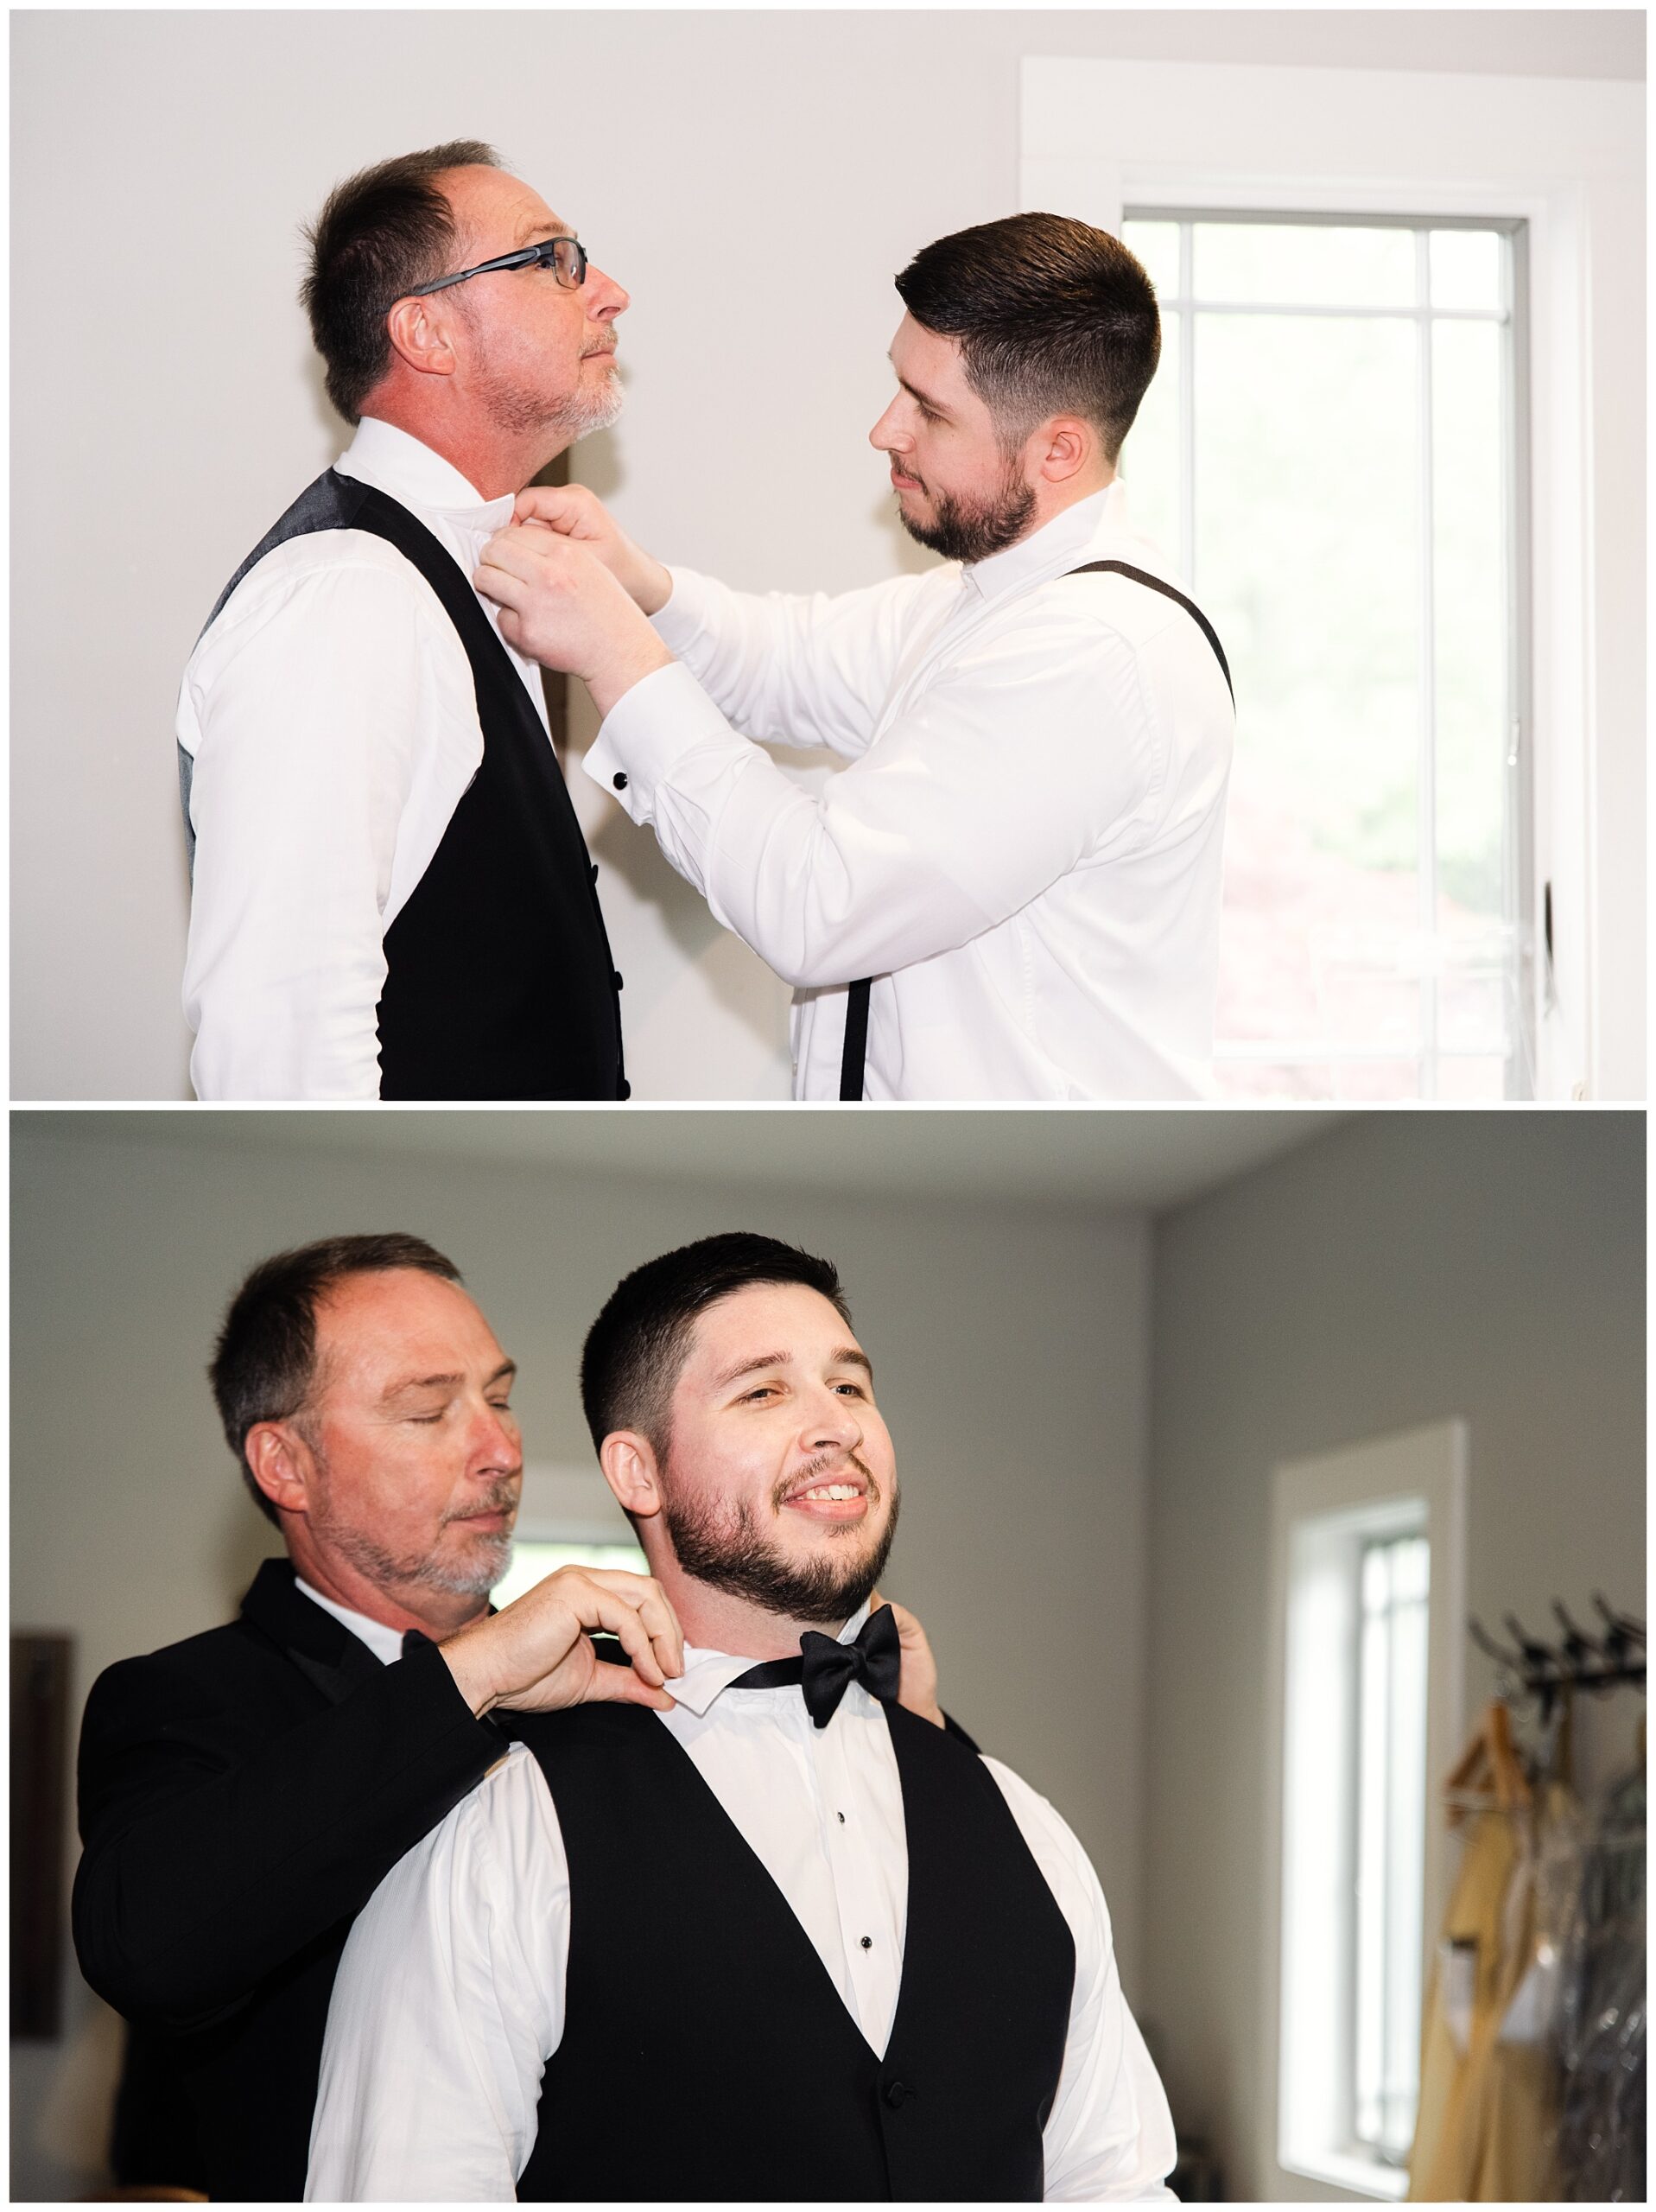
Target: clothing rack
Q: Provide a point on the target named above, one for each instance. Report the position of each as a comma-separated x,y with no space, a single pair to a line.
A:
1541,1671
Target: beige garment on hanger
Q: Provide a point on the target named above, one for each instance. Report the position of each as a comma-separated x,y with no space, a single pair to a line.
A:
1487,2102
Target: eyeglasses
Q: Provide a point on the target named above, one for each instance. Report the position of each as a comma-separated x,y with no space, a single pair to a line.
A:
564,258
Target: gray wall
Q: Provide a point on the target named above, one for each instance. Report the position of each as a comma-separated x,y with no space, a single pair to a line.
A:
170,405
1404,1269
1009,1344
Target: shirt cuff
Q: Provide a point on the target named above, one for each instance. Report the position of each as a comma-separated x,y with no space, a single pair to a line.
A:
684,619
649,731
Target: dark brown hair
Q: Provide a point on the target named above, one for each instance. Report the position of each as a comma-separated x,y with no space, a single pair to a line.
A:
265,1363
637,1348
1053,318
379,234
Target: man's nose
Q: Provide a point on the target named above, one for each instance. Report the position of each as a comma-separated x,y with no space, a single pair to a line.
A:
885,436
495,1442
835,1421
604,297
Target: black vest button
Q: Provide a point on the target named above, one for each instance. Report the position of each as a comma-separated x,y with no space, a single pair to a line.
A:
616,979
619,782
624,1089
898,2093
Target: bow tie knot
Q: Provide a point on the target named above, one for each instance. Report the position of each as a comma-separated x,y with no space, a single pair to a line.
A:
826,1668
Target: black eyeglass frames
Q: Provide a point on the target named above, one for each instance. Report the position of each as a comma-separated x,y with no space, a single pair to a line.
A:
564,258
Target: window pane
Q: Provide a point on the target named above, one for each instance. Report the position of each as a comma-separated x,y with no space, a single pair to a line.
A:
1381,1080
1473,1077
1391,1830
1307,564
1304,264
1156,246
1466,269
533,1562
1150,453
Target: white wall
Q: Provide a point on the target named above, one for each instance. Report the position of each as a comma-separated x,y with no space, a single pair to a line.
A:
1404,1269
754,178
1008,1340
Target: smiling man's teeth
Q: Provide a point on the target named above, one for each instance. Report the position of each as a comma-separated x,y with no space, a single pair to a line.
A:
833,1490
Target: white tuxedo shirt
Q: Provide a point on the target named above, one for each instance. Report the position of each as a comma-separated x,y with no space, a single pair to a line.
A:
1025,850
449,1996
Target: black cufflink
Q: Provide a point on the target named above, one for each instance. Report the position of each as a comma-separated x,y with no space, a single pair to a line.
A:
619,782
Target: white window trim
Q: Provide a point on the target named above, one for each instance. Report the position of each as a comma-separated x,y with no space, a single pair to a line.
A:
1565,156
1428,1464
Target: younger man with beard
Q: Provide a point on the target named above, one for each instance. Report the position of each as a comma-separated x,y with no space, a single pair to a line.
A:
391,895
768,1944
1012,892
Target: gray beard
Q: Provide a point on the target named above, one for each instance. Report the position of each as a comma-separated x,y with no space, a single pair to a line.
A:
732,1552
387,1570
510,408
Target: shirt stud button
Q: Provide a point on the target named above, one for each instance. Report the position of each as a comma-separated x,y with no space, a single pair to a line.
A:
619,782
616,979
867,1941
840,1818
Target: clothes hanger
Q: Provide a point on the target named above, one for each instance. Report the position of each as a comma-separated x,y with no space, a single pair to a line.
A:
1488,1777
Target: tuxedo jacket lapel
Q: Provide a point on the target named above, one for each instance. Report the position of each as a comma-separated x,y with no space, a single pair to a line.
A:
323,1649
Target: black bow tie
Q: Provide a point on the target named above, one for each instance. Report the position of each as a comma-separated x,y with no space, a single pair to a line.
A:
825,1667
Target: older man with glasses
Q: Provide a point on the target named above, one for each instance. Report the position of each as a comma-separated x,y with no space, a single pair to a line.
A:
391,894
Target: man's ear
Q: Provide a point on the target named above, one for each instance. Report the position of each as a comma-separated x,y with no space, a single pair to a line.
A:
421,334
283,1465
1066,445
628,1463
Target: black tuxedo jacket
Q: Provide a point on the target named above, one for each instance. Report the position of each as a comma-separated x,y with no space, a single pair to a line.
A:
242,1795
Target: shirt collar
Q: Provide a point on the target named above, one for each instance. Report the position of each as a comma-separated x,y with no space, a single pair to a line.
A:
413,475
708,1674
385,1643
1057,546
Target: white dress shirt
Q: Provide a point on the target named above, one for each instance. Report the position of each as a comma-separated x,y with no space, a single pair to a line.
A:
331,718
449,1997
1025,851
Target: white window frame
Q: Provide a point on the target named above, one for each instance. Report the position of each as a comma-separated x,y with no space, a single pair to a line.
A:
1565,156
1417,1481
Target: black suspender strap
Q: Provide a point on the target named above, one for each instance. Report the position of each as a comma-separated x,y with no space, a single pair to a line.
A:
856,1040
856,1005
1141,577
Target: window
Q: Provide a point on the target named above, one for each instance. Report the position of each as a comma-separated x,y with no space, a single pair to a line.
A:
1367,1551
1393,1579
532,1562
567,1517
1330,449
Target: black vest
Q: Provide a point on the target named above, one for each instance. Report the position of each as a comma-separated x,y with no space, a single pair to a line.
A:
706,2053
499,982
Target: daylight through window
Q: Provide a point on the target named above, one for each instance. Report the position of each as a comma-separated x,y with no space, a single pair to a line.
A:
1330,453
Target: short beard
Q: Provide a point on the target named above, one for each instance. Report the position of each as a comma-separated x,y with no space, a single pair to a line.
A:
731,1552
472,1578
963,532
520,412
